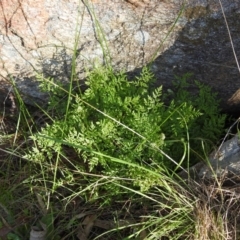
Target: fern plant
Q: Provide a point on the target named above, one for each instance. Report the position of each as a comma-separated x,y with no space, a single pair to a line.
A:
138,107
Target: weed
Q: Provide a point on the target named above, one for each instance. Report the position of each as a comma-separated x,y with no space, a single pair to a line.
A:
138,107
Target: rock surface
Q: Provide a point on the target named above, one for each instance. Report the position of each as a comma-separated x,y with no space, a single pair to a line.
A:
224,161
39,36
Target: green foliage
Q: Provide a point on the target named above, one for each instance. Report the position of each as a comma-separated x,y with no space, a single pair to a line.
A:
12,236
208,126
124,119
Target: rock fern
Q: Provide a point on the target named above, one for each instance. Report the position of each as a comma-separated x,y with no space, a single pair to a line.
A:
168,127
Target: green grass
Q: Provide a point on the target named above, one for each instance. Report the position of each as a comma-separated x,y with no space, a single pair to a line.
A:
111,147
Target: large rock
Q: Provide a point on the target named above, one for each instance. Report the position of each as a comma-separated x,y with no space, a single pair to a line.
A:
39,36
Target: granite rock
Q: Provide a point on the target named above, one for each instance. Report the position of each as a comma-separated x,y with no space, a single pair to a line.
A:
176,36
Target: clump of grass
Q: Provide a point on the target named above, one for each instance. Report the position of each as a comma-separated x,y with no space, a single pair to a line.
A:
117,140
